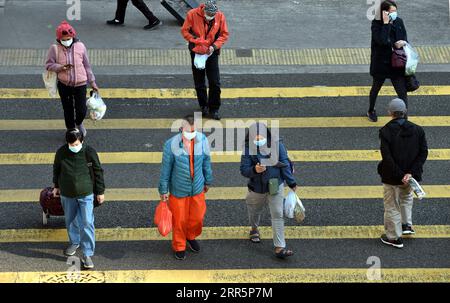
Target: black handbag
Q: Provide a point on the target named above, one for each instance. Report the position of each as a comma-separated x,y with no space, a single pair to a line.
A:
412,84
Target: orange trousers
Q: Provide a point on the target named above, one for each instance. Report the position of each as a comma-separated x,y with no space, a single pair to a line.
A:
187,219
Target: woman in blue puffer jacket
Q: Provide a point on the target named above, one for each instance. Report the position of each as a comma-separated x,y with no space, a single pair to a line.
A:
265,162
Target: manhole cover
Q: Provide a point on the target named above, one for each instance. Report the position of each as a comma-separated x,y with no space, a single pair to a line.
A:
244,53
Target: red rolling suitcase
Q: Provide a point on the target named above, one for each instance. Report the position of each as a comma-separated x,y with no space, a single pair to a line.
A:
179,8
51,206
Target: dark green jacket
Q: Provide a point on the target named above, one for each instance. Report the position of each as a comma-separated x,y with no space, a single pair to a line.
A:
71,172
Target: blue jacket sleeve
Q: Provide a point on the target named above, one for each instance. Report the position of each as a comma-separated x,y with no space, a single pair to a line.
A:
207,170
247,166
168,159
286,171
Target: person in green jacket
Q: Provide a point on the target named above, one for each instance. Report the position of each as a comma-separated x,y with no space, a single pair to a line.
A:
73,182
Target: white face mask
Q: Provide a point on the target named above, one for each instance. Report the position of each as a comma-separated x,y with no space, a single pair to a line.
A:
67,43
190,135
209,18
75,149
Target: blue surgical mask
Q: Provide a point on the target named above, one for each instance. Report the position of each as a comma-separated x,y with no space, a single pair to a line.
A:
393,16
75,149
261,142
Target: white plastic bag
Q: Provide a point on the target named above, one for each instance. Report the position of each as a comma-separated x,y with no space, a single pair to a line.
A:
200,61
412,59
50,82
96,106
51,79
299,211
289,204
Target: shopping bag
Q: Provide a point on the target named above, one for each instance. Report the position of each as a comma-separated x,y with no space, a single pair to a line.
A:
412,59
51,79
289,204
200,61
299,211
163,218
398,59
96,106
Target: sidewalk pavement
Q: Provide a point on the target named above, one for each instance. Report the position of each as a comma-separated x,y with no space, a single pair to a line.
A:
253,24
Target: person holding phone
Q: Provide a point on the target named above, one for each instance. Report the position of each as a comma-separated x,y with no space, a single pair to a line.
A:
265,162
388,32
69,59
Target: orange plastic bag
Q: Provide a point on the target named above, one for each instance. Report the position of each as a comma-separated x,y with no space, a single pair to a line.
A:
163,218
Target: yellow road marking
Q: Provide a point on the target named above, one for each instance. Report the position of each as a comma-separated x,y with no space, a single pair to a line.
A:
229,57
283,122
234,193
219,233
269,275
232,93
217,157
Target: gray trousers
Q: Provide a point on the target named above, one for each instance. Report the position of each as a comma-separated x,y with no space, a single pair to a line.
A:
398,203
255,206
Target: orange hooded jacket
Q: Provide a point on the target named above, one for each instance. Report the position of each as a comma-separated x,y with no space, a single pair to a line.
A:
195,31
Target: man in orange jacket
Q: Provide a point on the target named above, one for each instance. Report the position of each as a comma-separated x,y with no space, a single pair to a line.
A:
206,30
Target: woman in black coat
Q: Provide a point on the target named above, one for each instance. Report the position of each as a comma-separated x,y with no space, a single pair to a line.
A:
387,33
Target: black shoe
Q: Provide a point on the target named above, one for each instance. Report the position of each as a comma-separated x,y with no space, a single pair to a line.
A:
215,115
396,243
153,24
407,229
372,116
205,111
180,255
194,245
114,22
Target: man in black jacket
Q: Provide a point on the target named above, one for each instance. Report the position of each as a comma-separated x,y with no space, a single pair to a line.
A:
404,151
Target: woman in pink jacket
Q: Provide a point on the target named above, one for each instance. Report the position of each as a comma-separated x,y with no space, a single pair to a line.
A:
69,59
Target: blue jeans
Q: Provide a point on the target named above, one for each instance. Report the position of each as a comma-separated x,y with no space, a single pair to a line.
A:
79,217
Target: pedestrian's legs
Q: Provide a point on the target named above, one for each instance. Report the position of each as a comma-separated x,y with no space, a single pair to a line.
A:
66,95
276,213
80,104
199,82
70,206
180,210
121,9
87,228
406,204
197,210
392,216
140,5
213,74
255,206
376,86
399,84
